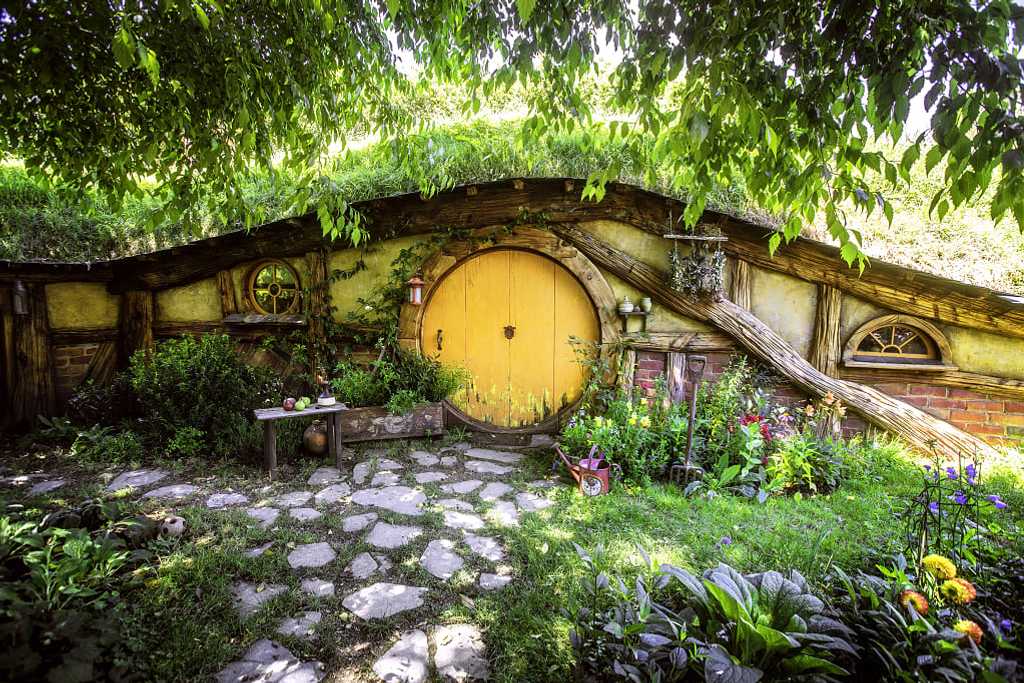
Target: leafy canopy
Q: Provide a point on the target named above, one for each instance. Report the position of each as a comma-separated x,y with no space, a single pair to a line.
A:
783,97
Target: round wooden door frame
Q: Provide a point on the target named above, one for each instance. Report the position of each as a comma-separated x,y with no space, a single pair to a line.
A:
543,242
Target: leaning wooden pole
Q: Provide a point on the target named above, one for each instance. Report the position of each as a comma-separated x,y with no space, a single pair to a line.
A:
918,428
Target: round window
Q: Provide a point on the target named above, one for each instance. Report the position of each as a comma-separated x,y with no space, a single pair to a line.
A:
274,288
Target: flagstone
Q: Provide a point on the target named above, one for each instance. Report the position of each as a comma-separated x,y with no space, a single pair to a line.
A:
137,479
455,504
429,477
318,588
400,499
485,546
459,653
250,597
270,662
424,458
453,519
223,500
332,494
311,555
407,661
389,536
301,626
491,582
304,514
440,559
504,513
172,492
265,516
462,486
358,522
531,502
503,457
485,467
46,486
382,600
324,475
495,490
293,499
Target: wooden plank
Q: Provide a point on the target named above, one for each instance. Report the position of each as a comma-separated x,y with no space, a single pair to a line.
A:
136,324
34,390
973,381
226,288
826,344
279,319
103,364
374,423
279,413
695,342
627,371
315,300
675,368
921,430
269,448
739,283
92,336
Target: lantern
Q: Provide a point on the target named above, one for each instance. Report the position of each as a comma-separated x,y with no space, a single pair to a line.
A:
415,290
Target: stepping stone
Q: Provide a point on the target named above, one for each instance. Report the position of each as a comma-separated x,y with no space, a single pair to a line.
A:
250,597
484,467
542,484
453,519
332,494
504,513
294,499
462,446
21,479
406,661
462,486
365,564
172,492
440,559
495,490
269,662
360,472
385,464
531,502
46,486
455,504
384,479
400,499
390,536
358,522
449,461
497,456
324,475
258,550
486,547
430,477
459,653
311,555
265,516
493,582
136,479
301,626
318,588
223,500
423,458
304,514
382,600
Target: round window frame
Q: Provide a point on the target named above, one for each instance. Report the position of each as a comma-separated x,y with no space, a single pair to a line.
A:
931,336
250,287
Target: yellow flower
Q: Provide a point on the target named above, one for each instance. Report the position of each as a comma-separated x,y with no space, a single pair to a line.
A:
632,420
959,591
645,422
969,629
939,567
809,410
598,420
916,600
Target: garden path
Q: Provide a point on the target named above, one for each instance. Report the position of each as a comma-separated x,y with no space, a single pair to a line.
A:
393,537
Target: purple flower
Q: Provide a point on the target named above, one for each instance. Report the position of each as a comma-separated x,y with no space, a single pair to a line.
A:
997,501
959,498
934,507
726,540
927,468
1006,626
972,470
951,473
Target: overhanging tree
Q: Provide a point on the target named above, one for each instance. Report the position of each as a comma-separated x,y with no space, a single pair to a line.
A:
785,96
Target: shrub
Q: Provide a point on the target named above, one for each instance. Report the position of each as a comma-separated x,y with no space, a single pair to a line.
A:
187,442
724,626
202,384
104,445
399,382
805,464
105,403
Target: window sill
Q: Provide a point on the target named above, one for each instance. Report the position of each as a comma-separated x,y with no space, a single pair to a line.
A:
259,319
919,367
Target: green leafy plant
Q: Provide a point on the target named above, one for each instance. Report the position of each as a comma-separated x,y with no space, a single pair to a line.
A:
803,463
724,625
398,380
105,445
187,442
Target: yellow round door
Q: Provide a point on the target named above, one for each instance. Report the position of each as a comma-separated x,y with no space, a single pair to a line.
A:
507,316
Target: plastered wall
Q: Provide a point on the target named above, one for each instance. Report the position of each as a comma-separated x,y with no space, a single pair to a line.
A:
81,306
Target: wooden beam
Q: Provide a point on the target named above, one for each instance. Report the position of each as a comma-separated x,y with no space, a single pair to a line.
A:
627,371
918,428
826,345
136,324
316,306
226,287
695,342
675,368
739,283
983,384
90,336
34,391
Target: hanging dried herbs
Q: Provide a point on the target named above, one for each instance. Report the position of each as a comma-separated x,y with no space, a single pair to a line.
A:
698,273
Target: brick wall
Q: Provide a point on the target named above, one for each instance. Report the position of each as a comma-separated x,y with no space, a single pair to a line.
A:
70,364
997,420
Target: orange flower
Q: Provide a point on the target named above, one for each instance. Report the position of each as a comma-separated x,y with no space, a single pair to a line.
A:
916,600
969,629
959,591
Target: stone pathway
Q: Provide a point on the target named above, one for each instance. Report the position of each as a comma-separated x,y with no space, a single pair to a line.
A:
437,513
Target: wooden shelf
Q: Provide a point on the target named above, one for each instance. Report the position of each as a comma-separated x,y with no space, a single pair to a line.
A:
643,315
697,238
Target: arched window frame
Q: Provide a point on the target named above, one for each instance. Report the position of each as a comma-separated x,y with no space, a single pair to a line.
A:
932,334
250,287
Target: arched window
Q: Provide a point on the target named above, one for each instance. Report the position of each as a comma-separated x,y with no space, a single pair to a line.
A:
272,288
895,341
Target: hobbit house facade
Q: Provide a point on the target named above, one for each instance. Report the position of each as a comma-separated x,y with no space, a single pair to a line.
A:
517,277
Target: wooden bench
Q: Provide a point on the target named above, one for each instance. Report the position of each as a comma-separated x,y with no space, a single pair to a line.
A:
268,416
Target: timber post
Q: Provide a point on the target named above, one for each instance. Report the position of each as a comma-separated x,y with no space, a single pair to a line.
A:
33,391
136,324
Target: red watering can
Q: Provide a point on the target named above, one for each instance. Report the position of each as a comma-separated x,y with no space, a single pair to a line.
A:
591,473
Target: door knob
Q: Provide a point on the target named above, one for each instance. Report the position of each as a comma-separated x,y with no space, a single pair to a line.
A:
440,339
510,331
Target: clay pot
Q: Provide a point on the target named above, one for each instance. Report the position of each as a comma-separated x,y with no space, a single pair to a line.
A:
315,438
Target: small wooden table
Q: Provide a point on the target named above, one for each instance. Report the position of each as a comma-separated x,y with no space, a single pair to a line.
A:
270,415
